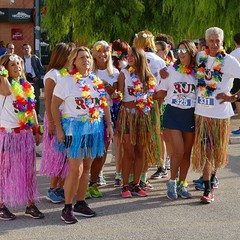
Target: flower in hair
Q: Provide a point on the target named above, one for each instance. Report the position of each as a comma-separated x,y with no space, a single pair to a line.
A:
13,58
144,35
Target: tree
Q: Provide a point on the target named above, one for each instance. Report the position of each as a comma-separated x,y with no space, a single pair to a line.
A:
87,21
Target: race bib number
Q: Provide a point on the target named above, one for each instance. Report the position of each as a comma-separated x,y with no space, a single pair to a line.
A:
181,102
206,102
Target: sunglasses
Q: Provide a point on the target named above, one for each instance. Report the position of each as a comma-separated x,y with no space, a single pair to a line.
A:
182,50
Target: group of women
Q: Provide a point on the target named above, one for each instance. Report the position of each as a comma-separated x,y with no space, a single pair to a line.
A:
88,103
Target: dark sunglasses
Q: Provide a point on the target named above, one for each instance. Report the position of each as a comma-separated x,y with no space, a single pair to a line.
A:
182,50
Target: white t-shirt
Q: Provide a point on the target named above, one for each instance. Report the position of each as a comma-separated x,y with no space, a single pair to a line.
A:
28,67
128,94
181,89
210,106
8,113
155,64
54,74
236,54
110,79
69,91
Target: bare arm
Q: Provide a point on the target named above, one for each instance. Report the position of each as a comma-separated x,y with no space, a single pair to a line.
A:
56,102
107,117
5,87
121,82
161,94
48,94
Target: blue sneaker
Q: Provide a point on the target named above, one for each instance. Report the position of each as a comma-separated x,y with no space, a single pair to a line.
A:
60,192
53,196
236,131
172,190
199,180
183,192
200,187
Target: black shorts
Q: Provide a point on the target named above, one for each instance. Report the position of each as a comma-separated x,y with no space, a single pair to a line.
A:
236,87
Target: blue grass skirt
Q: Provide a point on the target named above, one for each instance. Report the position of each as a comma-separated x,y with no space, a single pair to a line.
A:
83,139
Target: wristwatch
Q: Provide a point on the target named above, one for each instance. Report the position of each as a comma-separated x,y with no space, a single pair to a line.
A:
236,97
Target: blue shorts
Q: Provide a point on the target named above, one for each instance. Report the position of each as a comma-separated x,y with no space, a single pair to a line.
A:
179,119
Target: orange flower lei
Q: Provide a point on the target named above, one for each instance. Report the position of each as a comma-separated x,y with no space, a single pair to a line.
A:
95,111
144,104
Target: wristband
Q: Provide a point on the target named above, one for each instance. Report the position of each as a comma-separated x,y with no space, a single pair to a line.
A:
109,123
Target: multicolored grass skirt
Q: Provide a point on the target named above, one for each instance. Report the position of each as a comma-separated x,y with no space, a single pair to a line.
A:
143,129
18,181
54,163
86,138
211,139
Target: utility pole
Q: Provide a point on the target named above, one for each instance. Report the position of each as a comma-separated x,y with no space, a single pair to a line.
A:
37,29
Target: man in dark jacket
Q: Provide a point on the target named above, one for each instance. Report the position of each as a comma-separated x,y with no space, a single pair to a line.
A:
33,71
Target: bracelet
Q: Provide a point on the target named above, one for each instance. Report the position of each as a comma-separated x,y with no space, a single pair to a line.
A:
109,123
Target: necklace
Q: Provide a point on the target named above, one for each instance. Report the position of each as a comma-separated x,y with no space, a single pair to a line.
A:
95,110
144,100
25,102
205,75
190,69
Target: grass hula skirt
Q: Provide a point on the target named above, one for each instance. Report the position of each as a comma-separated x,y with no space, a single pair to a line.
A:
144,129
211,135
87,138
54,163
18,181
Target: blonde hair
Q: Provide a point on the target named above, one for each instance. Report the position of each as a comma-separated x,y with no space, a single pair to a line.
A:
74,53
107,48
144,40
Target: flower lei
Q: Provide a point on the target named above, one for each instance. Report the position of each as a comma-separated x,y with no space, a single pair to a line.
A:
216,76
22,90
144,104
184,69
95,112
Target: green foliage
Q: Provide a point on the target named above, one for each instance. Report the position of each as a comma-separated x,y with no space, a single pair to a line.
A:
86,21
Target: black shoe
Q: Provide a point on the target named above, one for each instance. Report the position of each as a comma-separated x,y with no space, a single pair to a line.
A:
33,212
160,173
5,214
68,217
83,210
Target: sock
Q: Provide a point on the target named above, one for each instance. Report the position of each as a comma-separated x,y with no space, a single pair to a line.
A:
207,187
170,180
91,183
68,206
212,179
144,177
118,175
130,178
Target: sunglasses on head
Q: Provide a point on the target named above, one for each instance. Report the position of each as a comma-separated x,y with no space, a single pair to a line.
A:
182,50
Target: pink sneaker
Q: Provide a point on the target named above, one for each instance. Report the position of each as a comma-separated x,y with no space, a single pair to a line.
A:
136,190
207,199
125,191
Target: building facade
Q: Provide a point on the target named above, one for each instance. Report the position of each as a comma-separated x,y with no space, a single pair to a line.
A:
17,23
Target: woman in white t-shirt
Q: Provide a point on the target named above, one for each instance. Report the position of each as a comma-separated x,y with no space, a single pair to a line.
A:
103,68
179,92
54,164
18,125
138,125
80,129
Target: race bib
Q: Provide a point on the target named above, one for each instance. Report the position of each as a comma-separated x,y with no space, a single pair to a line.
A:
206,102
181,102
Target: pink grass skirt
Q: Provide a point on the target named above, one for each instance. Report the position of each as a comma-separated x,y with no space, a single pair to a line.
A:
18,181
54,163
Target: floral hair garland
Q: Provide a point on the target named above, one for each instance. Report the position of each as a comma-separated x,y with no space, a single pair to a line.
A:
216,76
95,112
102,47
119,54
144,103
21,91
184,69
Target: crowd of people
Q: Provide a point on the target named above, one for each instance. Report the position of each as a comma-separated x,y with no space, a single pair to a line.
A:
153,101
